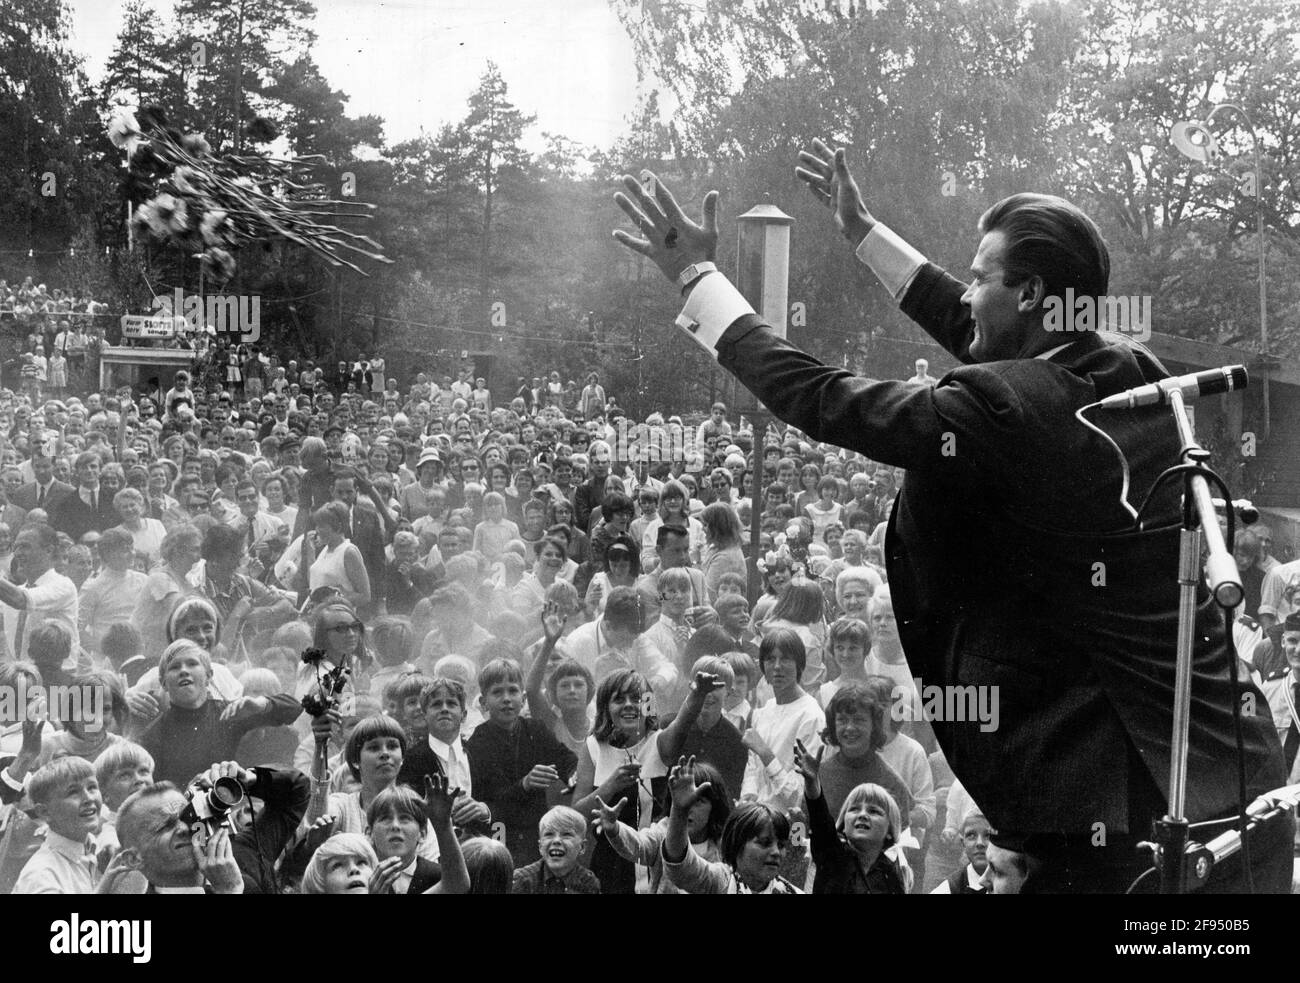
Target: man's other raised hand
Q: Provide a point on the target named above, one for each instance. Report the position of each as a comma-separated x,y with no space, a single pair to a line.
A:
826,172
671,240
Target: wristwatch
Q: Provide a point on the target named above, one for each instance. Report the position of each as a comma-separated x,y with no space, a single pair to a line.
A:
693,272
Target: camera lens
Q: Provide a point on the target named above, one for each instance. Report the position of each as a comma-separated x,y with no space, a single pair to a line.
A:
226,793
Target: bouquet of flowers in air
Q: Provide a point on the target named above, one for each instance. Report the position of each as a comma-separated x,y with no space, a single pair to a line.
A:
209,205
329,683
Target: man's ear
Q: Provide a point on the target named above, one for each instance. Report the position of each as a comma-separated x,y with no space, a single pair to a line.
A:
1032,294
41,812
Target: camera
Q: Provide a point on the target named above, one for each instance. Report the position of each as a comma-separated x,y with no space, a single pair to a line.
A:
207,810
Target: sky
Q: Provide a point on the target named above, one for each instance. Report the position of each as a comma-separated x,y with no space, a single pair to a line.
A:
415,62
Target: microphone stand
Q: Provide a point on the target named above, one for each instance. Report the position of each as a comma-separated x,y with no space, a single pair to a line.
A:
1171,832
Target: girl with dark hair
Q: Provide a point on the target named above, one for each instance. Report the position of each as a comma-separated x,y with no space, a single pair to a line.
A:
801,610
621,568
623,757
704,824
751,847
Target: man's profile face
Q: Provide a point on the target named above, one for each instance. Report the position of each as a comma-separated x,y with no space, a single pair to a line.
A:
1002,876
1000,327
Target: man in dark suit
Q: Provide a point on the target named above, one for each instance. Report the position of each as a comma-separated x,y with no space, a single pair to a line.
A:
87,507
588,495
1010,510
365,529
46,491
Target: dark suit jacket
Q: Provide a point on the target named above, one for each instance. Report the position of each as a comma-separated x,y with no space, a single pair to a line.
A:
76,518
993,550
25,497
420,761
367,535
586,499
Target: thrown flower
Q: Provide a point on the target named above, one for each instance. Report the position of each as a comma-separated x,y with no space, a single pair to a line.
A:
213,227
219,264
124,131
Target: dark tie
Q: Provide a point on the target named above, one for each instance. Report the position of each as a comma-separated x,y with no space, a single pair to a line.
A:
250,535
1292,742
20,633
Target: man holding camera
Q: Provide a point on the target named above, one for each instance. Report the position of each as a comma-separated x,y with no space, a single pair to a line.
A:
178,851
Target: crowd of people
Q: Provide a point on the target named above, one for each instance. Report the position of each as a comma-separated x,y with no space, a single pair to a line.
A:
54,331
553,677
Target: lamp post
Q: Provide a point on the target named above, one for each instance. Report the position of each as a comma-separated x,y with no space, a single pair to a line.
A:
1195,140
763,278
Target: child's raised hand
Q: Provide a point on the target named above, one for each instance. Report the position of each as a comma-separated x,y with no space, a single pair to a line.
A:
552,622
439,797
681,784
319,831
706,682
385,874
606,816
810,767
31,749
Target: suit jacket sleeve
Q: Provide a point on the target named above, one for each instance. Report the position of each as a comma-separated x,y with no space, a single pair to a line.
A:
286,794
959,427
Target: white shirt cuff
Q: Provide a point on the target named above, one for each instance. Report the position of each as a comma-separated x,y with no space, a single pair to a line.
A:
890,257
5,777
713,306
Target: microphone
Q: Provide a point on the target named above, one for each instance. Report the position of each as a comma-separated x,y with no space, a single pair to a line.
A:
1208,383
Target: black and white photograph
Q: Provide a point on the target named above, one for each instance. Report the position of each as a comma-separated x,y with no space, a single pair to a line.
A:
613,447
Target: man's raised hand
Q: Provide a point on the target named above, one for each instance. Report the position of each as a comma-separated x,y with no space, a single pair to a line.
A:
826,172
217,863
671,240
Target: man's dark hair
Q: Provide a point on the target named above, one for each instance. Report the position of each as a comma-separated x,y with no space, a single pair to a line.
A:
613,504
222,542
1050,238
661,537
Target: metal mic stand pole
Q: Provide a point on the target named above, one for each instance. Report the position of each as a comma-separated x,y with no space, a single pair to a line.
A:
1225,584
